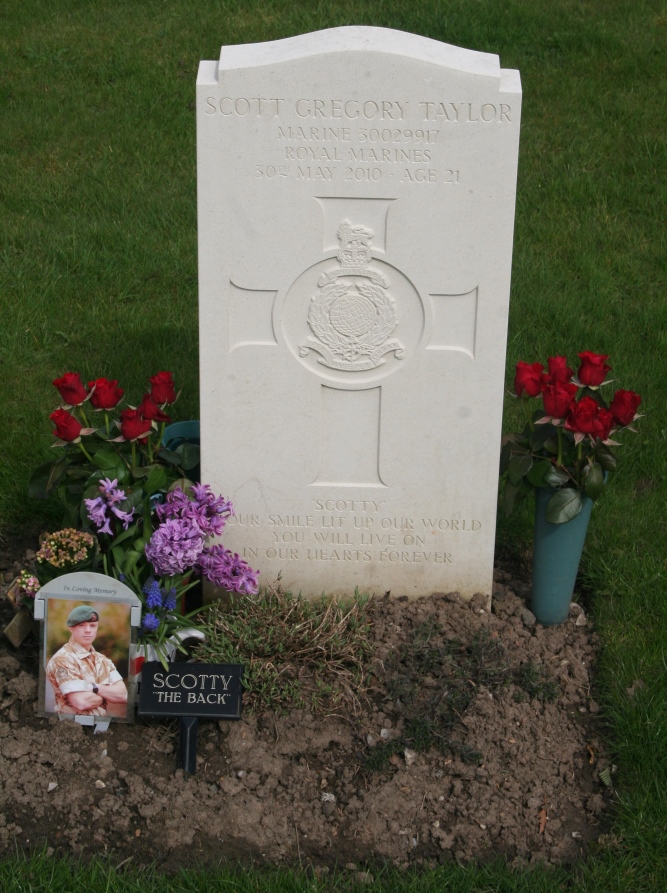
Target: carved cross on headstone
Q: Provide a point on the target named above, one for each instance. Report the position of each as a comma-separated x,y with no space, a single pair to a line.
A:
352,324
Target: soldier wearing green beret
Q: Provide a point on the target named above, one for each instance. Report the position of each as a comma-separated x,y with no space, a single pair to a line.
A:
84,681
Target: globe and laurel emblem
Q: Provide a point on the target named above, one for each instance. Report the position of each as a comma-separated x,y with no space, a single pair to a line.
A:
353,315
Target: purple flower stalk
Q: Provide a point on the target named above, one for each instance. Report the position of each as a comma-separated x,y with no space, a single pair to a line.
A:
209,512
111,493
125,517
215,510
225,569
98,508
97,513
175,547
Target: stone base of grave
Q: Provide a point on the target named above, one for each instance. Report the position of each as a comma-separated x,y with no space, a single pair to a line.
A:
215,595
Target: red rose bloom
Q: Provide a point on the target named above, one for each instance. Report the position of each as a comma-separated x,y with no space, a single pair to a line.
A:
593,369
606,421
67,427
559,370
107,394
624,406
132,425
162,388
151,411
588,417
558,398
71,388
528,379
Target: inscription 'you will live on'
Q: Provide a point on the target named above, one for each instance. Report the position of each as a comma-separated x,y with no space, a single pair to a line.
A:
341,538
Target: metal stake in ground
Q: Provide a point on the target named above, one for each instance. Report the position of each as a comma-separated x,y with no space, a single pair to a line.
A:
188,734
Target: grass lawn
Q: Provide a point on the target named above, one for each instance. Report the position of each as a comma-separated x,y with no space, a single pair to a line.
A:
98,274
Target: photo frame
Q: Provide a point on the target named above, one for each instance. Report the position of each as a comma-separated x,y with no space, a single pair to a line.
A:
88,634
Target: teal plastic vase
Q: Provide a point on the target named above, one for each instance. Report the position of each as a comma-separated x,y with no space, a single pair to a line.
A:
556,558
183,432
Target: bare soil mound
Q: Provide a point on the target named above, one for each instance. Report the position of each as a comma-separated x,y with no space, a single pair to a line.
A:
478,738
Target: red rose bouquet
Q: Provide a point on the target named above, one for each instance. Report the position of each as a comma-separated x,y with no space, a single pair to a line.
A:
568,439
100,439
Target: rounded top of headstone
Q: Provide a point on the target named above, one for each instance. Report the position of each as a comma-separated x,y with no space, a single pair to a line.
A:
360,38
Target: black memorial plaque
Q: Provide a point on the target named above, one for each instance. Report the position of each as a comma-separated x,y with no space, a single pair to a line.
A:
207,691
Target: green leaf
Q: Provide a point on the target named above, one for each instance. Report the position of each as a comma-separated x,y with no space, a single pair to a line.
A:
505,456
133,499
509,499
91,491
156,480
170,457
131,531
38,487
551,445
540,435
74,487
537,473
605,457
119,558
594,481
183,483
555,477
78,472
563,506
189,455
518,467
131,559
105,458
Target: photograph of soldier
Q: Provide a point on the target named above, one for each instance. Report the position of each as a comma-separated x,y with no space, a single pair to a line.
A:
84,681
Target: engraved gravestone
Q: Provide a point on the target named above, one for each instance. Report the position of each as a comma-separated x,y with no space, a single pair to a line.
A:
356,193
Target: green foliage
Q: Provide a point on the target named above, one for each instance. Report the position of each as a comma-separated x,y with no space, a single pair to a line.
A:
536,682
296,653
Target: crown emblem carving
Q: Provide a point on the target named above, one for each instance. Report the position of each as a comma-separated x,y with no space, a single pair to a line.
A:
352,316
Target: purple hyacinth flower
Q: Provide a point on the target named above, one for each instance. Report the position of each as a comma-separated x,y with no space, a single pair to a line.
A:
206,510
174,547
213,510
225,569
174,505
98,507
97,510
125,517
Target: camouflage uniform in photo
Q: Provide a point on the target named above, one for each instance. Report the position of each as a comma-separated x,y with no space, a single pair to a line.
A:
76,668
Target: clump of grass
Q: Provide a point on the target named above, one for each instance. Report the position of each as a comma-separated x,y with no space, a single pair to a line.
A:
296,653
377,758
536,682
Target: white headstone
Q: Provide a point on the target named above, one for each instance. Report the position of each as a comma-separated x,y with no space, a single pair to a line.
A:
356,193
